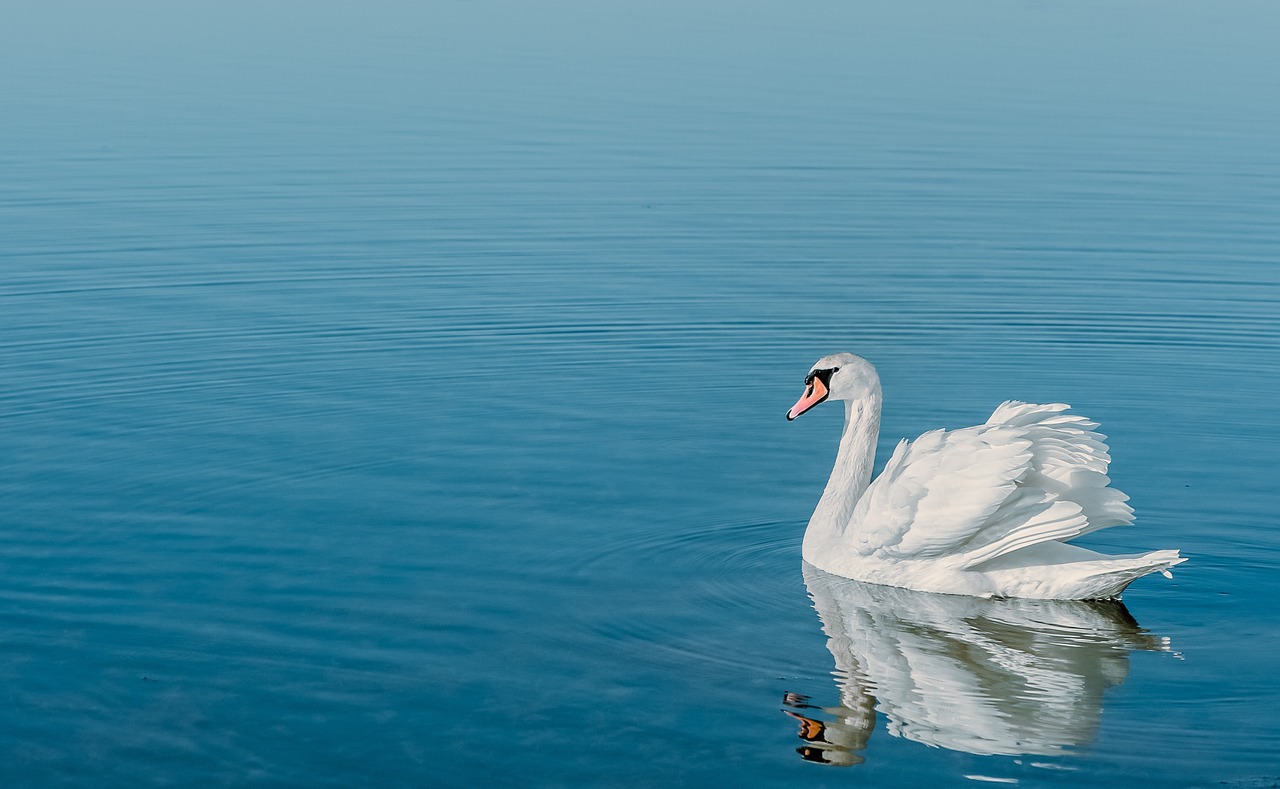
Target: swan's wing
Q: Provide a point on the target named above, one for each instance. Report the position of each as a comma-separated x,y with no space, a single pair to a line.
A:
1069,460
938,491
1029,475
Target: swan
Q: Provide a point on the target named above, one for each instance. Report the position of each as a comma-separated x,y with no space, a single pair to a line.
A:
985,511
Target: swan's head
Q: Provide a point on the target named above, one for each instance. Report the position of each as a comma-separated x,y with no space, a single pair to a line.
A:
840,376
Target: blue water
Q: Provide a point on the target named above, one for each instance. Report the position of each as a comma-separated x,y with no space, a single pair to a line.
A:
393,394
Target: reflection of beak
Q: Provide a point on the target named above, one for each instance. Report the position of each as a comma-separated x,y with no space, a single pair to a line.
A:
810,729
815,393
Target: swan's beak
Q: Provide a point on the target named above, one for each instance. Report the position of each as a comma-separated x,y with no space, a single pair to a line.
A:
814,393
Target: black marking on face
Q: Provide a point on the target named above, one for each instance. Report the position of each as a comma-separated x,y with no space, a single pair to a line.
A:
821,375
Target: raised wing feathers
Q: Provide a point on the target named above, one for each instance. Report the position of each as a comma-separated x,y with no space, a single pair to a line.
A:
1069,460
1030,474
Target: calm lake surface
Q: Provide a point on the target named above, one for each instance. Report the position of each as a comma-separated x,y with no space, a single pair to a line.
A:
394,394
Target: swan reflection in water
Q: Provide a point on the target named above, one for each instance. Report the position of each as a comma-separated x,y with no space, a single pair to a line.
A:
988,677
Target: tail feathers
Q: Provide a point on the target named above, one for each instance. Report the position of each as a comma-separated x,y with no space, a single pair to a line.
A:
1108,578
1067,572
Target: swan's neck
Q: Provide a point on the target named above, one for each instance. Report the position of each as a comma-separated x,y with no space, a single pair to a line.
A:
852,472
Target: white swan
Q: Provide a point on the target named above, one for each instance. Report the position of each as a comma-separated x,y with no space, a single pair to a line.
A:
983,511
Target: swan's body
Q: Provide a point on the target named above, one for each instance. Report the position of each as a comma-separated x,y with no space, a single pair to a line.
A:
983,511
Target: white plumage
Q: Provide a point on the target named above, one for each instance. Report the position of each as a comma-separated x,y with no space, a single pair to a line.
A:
984,510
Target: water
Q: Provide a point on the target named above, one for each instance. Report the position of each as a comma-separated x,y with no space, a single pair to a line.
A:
394,395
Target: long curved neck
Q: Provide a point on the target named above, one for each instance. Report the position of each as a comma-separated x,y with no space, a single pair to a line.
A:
852,472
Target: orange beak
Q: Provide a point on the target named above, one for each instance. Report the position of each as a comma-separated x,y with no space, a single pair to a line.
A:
814,393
